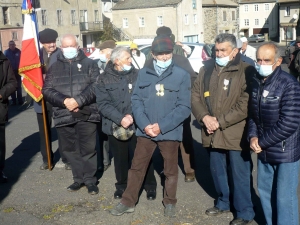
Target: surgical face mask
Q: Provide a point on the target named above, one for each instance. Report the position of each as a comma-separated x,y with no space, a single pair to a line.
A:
264,70
163,64
223,61
70,52
126,67
102,58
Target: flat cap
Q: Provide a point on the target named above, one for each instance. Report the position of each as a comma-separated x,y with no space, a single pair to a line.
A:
107,44
162,43
48,35
164,30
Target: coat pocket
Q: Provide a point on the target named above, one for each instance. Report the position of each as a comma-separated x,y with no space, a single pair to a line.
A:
171,92
144,89
113,91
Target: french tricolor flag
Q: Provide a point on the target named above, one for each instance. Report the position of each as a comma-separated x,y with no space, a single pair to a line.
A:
30,64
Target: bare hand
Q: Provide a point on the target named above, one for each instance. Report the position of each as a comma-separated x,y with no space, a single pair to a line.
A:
211,123
156,129
209,131
254,145
149,130
126,122
71,104
129,117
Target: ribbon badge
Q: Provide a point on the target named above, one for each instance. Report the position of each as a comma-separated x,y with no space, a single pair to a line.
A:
79,67
160,89
226,82
130,87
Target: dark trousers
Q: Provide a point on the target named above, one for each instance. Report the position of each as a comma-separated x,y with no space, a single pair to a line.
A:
187,147
123,152
2,146
19,89
78,143
240,168
142,156
43,150
103,154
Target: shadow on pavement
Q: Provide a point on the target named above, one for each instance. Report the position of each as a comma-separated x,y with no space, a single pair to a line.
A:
18,162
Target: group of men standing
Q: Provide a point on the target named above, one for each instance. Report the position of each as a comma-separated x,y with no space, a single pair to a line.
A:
239,107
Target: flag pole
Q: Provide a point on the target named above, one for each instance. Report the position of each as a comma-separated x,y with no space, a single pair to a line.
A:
44,108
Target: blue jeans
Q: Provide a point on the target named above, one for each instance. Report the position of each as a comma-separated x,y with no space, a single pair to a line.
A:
239,162
280,208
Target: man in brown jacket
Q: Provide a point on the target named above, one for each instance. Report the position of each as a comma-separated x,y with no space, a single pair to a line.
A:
219,103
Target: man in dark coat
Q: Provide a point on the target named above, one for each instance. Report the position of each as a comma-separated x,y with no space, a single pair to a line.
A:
69,89
8,85
220,104
49,55
274,134
14,54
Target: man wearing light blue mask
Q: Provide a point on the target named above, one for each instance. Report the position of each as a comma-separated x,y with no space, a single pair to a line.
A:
68,87
160,103
274,135
220,104
105,48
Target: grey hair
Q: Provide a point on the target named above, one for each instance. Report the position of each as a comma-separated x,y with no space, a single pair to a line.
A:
68,36
117,53
274,46
225,37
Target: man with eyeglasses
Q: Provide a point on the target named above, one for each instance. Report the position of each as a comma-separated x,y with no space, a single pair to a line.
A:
274,135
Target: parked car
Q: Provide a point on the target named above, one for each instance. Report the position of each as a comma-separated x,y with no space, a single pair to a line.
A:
256,38
199,52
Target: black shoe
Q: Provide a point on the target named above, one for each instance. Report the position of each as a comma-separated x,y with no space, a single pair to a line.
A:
118,193
75,186
151,194
68,166
3,178
92,189
240,221
214,211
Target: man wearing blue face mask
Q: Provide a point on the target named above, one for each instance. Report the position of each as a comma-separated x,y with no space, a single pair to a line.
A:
68,87
105,48
220,104
274,134
160,104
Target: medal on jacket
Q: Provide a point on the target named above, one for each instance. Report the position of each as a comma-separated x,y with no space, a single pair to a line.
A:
79,67
160,89
226,82
130,87
265,94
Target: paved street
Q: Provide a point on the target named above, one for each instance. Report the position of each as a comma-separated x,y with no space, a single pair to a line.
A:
35,197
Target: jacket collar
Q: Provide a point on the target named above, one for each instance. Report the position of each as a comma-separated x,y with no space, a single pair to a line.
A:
150,69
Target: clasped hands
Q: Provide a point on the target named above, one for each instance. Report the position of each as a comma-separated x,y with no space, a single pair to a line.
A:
71,104
152,130
127,121
211,123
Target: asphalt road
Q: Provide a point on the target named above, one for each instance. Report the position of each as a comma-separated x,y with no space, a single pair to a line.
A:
34,197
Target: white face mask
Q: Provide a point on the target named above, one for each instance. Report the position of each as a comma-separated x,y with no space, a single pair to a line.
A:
223,61
264,70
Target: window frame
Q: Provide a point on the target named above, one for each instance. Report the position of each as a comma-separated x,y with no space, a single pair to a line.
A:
160,21
141,21
125,22
59,17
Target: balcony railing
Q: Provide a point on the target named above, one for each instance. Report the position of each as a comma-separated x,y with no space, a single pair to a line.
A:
91,26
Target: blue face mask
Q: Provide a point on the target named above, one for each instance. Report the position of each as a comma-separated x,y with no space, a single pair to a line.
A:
223,61
126,68
70,52
163,64
264,70
102,58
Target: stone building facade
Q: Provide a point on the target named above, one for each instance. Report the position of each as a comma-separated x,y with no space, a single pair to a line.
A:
219,16
141,18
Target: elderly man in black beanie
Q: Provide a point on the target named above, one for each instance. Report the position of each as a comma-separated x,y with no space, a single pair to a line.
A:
50,52
161,101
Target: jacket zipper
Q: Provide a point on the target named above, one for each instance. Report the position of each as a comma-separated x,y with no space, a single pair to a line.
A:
283,145
71,79
261,87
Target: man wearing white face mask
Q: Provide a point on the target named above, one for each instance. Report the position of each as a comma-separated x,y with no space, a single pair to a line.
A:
220,104
274,134
68,87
